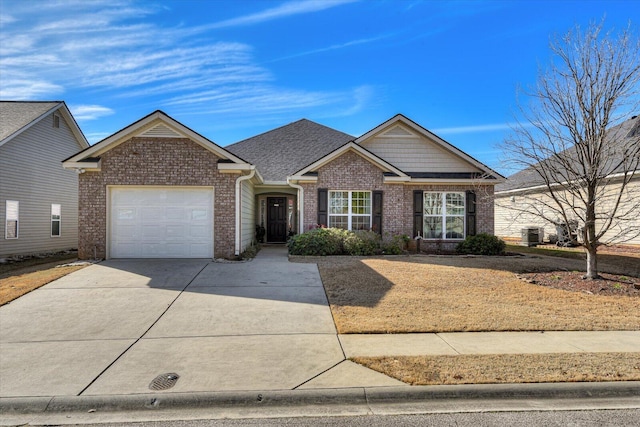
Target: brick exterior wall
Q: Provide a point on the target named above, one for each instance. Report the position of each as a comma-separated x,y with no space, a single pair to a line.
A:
149,161
350,171
484,212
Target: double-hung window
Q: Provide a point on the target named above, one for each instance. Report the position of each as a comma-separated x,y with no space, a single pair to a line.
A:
56,211
350,210
11,219
444,215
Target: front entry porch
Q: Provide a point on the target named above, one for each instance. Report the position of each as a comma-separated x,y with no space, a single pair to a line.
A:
276,216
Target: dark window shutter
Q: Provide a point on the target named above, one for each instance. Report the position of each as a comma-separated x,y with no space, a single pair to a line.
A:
323,201
471,213
418,212
377,212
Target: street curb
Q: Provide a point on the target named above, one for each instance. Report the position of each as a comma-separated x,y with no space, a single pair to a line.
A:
365,397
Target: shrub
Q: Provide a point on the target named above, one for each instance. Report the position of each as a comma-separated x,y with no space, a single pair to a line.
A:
362,243
482,244
394,245
320,241
335,241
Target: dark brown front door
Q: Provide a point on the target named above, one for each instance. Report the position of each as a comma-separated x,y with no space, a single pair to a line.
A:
276,219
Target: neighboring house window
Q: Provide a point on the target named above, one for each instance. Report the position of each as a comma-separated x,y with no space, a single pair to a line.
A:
350,210
444,215
56,211
11,225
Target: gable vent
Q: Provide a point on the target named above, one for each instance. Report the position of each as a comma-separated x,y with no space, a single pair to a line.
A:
161,131
397,131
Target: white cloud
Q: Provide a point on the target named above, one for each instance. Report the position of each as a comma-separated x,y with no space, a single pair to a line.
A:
284,10
89,112
334,47
108,49
6,19
94,137
474,129
24,89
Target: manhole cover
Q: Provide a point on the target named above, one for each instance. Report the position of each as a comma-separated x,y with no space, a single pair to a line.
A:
164,381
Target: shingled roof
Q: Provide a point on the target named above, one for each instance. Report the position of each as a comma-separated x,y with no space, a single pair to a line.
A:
282,151
15,115
618,137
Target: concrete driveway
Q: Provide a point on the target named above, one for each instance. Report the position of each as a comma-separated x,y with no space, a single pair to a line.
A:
113,327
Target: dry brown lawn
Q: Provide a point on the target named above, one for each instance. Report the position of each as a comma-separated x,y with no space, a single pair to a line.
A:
15,286
453,293
508,368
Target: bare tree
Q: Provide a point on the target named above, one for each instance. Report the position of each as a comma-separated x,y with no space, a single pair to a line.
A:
573,144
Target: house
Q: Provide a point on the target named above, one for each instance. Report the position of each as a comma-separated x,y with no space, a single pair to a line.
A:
159,189
38,199
526,192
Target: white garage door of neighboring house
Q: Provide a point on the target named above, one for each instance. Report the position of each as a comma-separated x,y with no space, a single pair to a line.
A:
161,223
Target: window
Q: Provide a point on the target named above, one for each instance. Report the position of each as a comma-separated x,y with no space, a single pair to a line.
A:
444,215
56,121
56,211
11,222
350,210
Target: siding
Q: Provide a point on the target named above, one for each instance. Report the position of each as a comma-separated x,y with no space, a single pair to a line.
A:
31,172
509,222
413,153
247,216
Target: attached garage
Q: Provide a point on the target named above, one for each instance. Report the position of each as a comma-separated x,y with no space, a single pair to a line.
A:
161,222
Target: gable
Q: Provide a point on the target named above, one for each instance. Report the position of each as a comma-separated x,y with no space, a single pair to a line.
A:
311,171
412,152
17,117
156,126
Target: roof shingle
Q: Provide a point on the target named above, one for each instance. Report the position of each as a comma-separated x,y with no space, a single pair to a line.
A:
618,137
14,115
281,152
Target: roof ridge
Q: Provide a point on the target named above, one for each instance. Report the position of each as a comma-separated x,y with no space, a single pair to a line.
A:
304,119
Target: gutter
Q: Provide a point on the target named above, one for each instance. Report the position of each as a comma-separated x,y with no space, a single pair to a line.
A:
239,206
300,204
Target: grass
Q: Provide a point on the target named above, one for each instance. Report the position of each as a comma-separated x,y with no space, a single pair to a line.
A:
22,282
569,253
507,368
450,294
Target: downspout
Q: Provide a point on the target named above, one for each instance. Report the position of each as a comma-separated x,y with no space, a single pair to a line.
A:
239,207
300,205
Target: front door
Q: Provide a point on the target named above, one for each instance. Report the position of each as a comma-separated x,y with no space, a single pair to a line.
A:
276,219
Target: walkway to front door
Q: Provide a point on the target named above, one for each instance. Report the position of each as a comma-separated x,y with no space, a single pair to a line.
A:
276,219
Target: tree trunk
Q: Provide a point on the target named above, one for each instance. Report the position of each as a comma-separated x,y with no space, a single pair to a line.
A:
592,264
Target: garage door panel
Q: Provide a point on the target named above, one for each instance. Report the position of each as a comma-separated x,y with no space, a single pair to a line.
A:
161,223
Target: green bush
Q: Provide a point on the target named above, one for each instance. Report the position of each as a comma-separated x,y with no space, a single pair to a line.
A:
362,243
320,241
335,241
394,245
482,244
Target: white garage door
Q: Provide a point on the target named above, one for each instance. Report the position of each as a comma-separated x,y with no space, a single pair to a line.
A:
172,222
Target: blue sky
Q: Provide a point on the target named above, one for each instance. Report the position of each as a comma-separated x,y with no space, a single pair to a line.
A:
234,69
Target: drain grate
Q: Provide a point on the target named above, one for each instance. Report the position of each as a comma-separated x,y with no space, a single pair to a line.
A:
164,381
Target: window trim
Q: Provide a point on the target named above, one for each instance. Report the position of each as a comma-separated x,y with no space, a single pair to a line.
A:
7,219
350,215
444,215
58,220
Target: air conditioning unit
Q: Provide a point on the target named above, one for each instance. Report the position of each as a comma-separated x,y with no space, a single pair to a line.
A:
530,236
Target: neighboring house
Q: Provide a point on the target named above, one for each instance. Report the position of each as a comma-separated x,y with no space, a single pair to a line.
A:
159,189
526,191
38,199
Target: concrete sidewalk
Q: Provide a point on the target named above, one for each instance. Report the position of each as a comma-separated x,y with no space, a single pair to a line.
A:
453,343
104,333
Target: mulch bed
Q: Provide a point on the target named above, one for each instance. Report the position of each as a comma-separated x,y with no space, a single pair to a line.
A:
609,284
